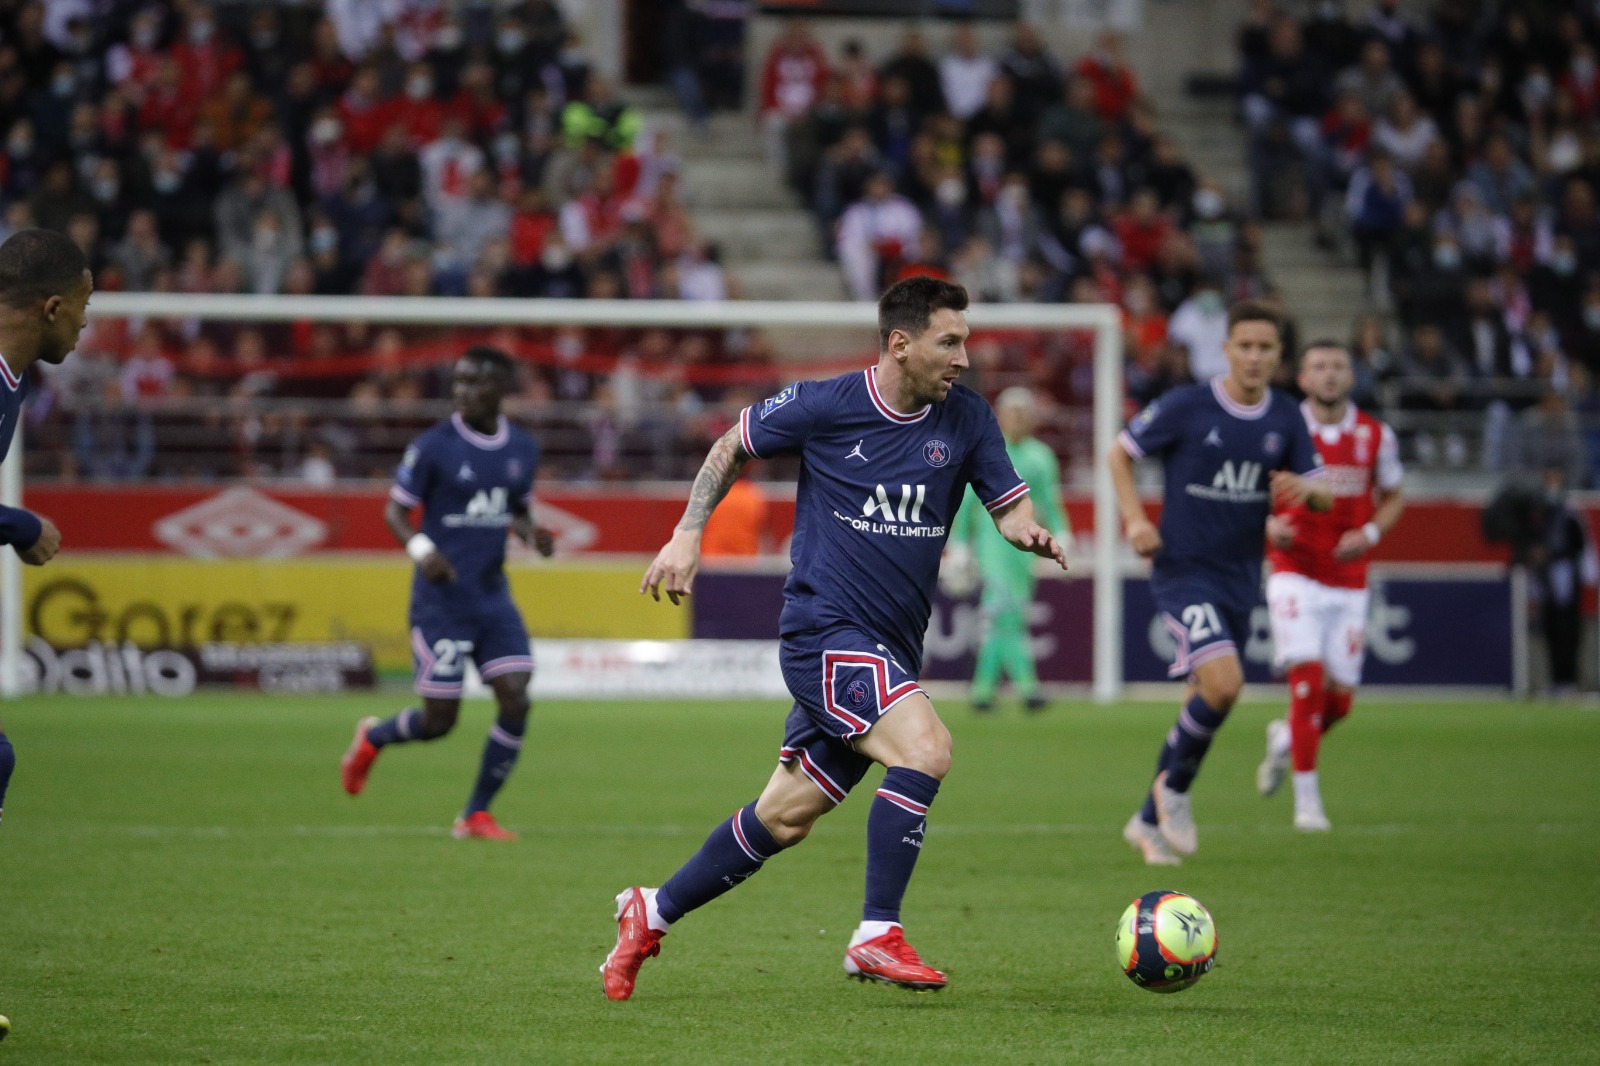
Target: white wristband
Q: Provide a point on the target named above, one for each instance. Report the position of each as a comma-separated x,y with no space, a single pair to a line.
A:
420,546
1372,533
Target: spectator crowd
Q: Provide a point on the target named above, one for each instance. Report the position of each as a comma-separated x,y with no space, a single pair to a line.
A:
402,148
1458,152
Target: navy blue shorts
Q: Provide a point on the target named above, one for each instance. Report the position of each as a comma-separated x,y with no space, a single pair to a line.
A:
842,681
488,631
1205,621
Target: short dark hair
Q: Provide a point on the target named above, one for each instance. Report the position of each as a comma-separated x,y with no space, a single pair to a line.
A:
1254,311
36,264
909,305
483,353
1324,342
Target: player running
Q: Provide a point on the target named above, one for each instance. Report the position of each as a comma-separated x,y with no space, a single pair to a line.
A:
1008,577
1227,448
1318,586
473,477
44,294
886,454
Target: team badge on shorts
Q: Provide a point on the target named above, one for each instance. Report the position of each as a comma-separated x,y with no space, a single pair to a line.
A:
856,693
937,452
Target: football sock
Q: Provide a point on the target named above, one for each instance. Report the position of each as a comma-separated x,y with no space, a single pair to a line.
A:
895,827
499,756
1307,700
1189,740
397,729
8,762
733,852
1307,796
1338,707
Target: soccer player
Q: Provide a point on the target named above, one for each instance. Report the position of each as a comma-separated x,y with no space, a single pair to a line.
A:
1317,590
1008,576
473,477
1227,448
44,294
886,454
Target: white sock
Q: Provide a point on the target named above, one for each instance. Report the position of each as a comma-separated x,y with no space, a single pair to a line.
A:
1280,741
871,931
652,915
1307,796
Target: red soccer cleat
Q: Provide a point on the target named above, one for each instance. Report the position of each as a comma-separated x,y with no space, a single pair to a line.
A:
480,825
888,958
636,941
358,760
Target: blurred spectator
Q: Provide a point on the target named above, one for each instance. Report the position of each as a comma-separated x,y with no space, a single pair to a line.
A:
1105,67
792,77
921,76
1199,326
874,233
965,73
741,526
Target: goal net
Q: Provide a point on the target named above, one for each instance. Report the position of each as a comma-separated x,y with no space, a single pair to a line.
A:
170,391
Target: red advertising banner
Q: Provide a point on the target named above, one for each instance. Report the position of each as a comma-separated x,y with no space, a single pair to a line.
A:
266,521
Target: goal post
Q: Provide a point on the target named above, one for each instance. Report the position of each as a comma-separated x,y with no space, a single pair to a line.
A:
859,319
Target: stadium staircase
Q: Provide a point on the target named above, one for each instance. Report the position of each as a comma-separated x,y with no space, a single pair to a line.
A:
770,243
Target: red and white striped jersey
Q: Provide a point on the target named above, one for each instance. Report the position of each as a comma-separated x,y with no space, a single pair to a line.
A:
1360,455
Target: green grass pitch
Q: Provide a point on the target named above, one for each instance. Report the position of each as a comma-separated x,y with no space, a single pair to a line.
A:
184,882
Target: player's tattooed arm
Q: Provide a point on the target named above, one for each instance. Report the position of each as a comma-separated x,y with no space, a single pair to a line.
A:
716,477
676,564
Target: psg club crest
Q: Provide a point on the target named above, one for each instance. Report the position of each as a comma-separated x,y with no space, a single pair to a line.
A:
1272,443
514,469
937,452
856,693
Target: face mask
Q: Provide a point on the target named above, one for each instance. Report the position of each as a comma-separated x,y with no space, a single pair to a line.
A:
105,189
507,147
951,192
1564,263
1591,317
1137,303
167,181
1537,88
200,32
448,38
1014,197
556,258
20,147
1583,69
1446,257
1208,203
324,240
419,88
325,130
63,84
1209,302
1329,10
145,37
509,41
263,39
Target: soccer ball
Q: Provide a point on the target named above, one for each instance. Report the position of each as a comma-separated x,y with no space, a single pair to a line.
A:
1166,941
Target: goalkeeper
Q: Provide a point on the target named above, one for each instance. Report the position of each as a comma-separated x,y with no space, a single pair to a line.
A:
1007,574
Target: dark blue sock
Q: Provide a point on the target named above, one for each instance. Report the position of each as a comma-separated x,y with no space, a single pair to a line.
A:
499,756
8,762
895,827
1189,741
733,852
407,725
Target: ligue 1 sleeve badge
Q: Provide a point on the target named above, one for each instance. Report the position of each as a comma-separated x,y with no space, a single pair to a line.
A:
937,452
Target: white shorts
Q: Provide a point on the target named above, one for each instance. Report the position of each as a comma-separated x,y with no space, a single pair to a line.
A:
1313,622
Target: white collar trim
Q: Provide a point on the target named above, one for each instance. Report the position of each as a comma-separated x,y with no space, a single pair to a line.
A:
480,440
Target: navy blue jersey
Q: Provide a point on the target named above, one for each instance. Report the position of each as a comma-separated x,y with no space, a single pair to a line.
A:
467,484
1216,455
16,525
877,493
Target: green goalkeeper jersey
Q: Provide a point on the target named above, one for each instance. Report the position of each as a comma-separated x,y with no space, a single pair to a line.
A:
997,560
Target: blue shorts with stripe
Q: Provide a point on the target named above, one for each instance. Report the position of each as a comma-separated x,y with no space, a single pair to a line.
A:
1206,619
843,681
489,631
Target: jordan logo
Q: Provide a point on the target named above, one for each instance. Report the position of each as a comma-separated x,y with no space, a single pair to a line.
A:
856,453
465,473
1214,437
914,838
